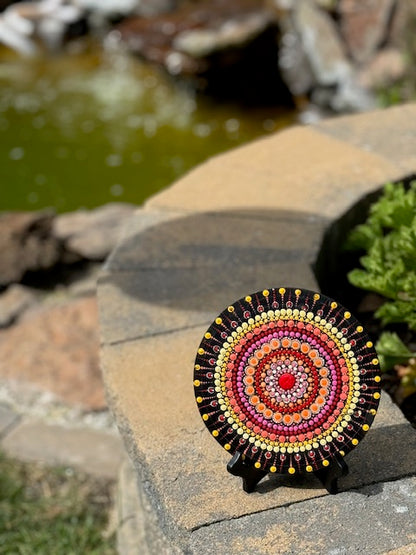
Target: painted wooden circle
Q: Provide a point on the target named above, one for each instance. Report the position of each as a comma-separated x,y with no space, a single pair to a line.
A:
289,378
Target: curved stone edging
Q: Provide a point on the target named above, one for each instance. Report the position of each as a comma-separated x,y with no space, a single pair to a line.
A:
235,224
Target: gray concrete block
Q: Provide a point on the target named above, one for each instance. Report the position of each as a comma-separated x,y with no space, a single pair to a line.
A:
167,280
372,520
184,272
212,239
149,384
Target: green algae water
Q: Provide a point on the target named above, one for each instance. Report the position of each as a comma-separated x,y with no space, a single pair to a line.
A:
88,127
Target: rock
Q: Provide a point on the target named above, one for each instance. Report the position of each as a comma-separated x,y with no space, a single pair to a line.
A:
150,8
229,34
313,61
321,44
87,284
293,61
401,27
349,96
57,350
26,244
226,49
94,452
21,24
5,3
92,234
387,67
8,419
364,25
109,8
15,300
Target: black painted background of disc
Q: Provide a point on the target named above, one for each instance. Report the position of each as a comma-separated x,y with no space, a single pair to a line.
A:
289,378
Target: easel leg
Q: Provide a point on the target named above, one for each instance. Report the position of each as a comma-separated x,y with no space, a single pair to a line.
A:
251,476
329,476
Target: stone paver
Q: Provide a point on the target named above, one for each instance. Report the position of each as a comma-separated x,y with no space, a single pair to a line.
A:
160,290
409,549
178,274
372,520
300,169
91,451
390,134
185,469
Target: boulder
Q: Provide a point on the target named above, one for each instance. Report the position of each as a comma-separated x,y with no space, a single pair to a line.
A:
401,26
364,26
56,349
6,3
387,67
13,302
26,244
313,60
92,234
225,49
321,44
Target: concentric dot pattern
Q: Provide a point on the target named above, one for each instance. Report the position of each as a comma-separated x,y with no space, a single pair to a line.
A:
289,378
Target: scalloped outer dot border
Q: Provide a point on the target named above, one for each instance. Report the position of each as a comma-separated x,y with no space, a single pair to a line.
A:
289,378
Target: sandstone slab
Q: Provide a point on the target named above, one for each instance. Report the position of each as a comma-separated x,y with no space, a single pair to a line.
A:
91,451
57,350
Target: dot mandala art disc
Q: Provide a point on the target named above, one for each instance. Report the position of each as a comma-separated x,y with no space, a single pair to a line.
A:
287,377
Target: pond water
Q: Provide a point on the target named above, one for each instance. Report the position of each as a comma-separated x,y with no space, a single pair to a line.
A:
89,127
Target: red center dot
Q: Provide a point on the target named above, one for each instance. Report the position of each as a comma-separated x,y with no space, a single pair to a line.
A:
286,381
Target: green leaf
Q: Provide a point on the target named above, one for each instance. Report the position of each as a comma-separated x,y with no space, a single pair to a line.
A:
389,264
391,351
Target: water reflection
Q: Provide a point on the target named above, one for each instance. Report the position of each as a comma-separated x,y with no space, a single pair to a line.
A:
87,127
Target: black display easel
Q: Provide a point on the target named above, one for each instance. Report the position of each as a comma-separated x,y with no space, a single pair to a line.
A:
251,476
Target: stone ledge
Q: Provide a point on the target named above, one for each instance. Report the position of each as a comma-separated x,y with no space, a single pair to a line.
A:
184,469
176,274
177,267
352,522
295,169
396,142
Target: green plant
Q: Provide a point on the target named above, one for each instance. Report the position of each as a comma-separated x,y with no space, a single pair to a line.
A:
393,352
389,265
388,238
